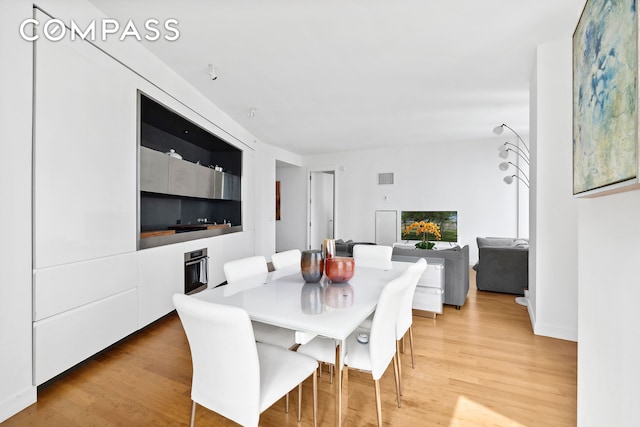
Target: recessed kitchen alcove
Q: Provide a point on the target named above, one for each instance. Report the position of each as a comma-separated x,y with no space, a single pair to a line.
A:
191,194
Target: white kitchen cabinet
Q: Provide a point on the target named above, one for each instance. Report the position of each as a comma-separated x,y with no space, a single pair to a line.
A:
63,288
67,339
429,295
85,149
161,272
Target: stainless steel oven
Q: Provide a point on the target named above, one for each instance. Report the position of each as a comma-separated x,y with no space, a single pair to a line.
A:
196,271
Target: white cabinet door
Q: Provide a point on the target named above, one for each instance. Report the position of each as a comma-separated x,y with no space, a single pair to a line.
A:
84,154
62,288
61,341
429,294
161,273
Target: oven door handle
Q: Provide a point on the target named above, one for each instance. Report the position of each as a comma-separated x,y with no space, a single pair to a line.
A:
196,261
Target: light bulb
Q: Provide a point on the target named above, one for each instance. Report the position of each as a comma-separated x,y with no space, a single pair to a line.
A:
503,166
508,179
498,129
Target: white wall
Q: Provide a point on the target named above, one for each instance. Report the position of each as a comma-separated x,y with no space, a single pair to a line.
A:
291,229
265,184
16,387
437,176
553,281
589,254
608,368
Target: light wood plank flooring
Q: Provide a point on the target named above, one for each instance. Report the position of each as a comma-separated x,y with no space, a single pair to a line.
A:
478,366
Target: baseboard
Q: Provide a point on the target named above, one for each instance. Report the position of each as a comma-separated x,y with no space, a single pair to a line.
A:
556,332
532,315
550,330
16,403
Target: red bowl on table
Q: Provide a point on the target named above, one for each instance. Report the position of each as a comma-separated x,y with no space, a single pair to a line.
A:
339,269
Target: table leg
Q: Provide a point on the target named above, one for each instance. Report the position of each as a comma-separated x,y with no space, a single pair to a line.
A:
342,386
338,371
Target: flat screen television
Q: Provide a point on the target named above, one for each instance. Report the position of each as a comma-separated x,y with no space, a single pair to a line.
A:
446,220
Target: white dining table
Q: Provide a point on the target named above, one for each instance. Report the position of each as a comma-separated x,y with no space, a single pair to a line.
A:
333,310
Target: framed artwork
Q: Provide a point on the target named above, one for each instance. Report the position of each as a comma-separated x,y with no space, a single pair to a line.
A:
605,98
277,200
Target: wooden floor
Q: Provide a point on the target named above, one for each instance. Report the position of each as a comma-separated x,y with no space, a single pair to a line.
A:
478,366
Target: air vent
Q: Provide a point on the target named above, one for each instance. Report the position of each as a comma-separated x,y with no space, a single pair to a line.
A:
385,178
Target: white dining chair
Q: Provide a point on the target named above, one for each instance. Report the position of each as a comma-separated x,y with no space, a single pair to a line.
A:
374,356
286,259
374,256
405,317
233,375
244,268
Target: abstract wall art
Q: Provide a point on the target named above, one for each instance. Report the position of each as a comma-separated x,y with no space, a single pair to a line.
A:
605,98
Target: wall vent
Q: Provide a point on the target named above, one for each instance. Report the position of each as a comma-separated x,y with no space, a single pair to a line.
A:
385,178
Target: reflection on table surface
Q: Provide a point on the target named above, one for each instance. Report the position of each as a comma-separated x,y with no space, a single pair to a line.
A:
316,298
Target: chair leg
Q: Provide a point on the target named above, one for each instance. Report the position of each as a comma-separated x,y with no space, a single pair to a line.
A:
330,374
299,401
396,373
192,421
320,369
376,384
403,344
286,403
413,365
315,399
397,356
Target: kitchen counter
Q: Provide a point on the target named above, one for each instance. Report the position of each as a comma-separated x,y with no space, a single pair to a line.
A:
201,231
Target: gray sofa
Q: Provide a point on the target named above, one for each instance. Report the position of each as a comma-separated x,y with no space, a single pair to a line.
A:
503,265
456,269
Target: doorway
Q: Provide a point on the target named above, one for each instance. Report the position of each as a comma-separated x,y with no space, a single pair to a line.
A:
321,207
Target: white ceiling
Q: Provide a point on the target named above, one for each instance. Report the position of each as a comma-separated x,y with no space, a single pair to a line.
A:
337,75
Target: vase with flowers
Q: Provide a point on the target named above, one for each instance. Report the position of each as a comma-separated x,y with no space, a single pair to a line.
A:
424,229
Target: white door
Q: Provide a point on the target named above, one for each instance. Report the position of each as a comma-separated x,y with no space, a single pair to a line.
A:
321,208
386,227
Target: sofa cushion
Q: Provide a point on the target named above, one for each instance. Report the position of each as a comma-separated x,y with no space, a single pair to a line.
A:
484,242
